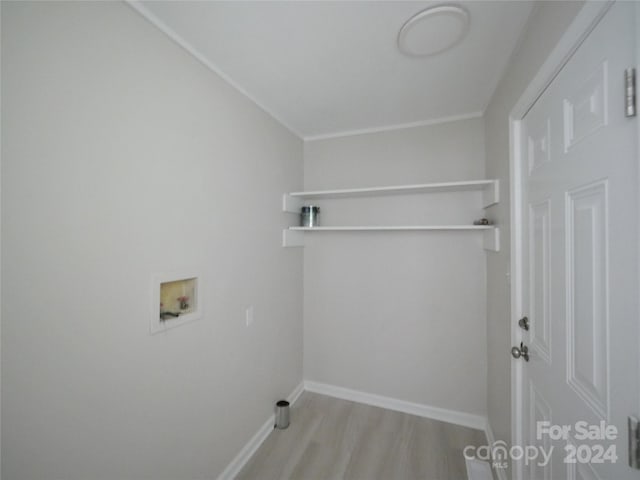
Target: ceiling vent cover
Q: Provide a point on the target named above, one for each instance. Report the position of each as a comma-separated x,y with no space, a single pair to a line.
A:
433,31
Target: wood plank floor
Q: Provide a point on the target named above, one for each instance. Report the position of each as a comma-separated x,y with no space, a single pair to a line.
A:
331,438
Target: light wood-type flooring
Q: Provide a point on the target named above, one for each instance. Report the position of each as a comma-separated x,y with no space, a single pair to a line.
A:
329,438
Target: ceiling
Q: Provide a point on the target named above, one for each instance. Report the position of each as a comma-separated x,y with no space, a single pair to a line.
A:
328,68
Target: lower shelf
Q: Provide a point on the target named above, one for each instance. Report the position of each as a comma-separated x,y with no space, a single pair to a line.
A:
294,236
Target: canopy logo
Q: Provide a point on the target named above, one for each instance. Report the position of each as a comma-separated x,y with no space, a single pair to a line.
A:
499,454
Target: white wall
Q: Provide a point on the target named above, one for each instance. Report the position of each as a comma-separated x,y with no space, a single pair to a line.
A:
398,314
122,156
547,23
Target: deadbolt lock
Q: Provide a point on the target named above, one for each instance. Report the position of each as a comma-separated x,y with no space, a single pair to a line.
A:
524,323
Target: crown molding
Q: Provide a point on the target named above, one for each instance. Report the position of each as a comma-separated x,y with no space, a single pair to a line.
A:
398,126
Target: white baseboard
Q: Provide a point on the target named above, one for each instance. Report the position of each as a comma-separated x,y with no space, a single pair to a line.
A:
500,472
451,416
295,394
254,443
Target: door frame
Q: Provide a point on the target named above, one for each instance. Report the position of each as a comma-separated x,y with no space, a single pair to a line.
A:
585,21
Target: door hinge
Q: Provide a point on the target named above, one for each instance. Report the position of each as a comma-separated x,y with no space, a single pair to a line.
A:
634,443
630,92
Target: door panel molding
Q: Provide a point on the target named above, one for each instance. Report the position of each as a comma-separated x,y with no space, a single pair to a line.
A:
540,278
585,112
587,295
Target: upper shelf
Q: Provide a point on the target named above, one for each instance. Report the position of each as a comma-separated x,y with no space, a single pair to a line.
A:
292,202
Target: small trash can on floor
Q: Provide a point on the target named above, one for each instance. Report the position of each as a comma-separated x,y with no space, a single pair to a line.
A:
282,414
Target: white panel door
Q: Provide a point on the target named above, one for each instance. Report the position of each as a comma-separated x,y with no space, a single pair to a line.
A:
580,257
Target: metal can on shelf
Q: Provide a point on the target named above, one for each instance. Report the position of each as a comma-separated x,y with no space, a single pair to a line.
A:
309,216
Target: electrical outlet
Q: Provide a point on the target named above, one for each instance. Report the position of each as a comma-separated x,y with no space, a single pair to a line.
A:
248,316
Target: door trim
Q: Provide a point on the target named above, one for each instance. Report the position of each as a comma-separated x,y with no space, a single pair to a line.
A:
638,163
580,28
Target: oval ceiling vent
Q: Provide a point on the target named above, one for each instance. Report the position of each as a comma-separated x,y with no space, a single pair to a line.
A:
433,30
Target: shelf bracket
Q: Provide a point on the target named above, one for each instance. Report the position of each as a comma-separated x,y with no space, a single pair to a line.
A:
491,194
291,204
292,238
492,240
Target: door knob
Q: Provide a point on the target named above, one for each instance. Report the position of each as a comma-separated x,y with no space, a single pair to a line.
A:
523,323
522,351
